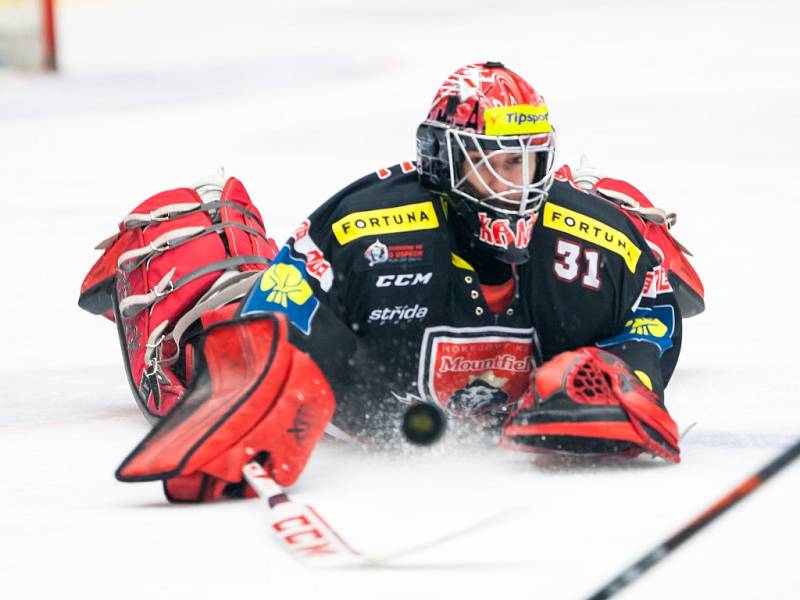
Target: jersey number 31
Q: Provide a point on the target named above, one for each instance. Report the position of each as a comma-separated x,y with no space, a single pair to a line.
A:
567,267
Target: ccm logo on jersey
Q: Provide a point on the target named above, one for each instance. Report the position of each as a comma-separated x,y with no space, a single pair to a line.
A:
592,230
403,280
498,232
398,313
382,221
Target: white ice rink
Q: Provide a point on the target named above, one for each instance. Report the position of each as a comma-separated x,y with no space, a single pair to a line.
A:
696,103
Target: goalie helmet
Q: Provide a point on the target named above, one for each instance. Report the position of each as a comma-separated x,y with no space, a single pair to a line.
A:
488,144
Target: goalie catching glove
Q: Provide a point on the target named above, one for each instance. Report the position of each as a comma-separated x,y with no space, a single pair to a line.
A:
589,402
256,398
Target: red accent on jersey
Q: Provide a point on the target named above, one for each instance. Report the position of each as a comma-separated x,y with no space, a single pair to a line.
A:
499,297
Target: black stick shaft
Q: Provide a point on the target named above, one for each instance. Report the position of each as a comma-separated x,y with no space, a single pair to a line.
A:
744,489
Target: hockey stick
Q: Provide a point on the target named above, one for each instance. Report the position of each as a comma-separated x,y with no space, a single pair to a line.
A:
303,533
744,489
298,528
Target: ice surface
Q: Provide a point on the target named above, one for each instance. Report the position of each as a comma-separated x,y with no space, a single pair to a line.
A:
694,102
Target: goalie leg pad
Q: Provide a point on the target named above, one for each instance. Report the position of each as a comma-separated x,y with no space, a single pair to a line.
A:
257,395
588,402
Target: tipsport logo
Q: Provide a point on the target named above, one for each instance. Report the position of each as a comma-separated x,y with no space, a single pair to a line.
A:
517,120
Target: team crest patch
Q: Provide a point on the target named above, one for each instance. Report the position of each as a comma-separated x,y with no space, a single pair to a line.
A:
284,288
472,371
655,325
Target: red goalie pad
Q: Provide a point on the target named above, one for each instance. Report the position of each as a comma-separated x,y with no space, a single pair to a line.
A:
258,398
589,402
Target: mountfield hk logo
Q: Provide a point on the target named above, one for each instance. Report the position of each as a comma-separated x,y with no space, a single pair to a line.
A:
398,313
466,369
501,362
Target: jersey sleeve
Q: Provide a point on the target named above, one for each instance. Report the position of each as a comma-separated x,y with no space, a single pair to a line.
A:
305,283
649,341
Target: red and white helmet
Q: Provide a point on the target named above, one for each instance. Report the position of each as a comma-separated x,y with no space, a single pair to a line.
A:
481,111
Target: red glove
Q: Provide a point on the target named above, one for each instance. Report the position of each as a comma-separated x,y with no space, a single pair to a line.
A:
258,398
589,402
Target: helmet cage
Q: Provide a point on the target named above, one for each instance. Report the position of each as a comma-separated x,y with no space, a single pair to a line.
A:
470,154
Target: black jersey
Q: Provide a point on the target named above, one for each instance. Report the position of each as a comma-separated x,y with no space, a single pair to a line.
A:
383,299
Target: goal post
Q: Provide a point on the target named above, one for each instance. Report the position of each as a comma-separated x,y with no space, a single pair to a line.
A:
28,34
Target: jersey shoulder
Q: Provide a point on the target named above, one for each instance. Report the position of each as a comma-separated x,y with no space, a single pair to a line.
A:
574,213
383,202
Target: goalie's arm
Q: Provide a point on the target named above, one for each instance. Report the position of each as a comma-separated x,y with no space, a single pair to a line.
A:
650,339
589,401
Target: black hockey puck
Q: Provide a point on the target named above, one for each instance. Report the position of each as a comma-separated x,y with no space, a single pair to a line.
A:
423,424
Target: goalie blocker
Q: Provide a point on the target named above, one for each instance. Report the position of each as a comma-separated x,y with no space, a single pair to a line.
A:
257,398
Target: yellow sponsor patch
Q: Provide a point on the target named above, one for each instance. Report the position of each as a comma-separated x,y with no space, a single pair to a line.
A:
592,230
514,120
409,217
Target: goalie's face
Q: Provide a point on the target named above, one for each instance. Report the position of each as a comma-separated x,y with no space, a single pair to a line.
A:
509,174
502,174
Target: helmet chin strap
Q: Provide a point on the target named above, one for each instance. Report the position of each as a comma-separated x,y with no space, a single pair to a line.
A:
489,260
514,256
